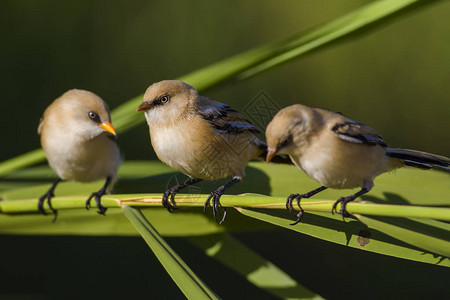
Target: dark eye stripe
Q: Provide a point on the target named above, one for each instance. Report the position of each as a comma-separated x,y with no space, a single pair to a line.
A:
285,142
161,100
94,117
164,99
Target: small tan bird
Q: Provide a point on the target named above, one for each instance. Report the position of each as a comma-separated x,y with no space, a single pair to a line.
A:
337,152
79,143
199,137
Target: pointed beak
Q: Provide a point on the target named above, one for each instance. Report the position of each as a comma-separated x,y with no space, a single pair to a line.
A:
144,106
108,127
270,155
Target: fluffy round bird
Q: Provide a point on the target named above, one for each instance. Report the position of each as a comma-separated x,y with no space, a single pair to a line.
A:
79,143
337,152
199,137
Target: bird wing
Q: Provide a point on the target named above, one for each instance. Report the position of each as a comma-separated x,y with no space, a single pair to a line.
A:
224,118
358,133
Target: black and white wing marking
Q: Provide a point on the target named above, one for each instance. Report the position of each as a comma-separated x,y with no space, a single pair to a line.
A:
358,133
225,119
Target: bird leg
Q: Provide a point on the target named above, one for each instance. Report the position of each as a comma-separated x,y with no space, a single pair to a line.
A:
299,197
48,196
215,197
174,190
345,200
98,195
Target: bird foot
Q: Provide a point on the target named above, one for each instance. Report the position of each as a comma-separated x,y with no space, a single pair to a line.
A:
97,196
214,198
289,201
41,201
165,200
343,200
289,207
299,218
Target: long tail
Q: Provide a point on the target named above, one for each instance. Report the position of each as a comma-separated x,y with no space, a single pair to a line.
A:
419,159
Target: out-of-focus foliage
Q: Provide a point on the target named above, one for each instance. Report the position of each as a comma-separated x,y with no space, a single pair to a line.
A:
393,79
404,238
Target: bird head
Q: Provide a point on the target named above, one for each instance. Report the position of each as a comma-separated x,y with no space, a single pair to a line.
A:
167,101
287,130
83,113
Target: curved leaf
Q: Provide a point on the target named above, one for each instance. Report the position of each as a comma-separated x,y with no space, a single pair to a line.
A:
191,286
252,62
259,271
357,235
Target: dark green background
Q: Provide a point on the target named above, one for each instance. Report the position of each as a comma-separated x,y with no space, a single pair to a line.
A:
123,268
395,79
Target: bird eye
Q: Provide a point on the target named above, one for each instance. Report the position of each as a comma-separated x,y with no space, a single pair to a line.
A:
94,117
164,99
286,141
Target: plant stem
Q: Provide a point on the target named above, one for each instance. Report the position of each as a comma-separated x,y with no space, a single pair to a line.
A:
244,200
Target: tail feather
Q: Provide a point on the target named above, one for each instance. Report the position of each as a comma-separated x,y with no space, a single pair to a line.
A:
419,159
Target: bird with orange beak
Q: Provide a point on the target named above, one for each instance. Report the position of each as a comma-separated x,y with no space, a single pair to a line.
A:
79,143
202,138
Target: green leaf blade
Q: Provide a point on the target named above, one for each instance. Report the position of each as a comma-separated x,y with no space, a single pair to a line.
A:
191,286
258,271
353,234
250,63
413,233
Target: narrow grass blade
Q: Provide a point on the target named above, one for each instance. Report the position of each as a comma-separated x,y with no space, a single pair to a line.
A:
370,15
259,271
254,61
191,286
351,233
416,233
408,187
21,161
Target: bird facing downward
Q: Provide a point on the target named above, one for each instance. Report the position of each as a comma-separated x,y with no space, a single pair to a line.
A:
199,137
337,152
79,142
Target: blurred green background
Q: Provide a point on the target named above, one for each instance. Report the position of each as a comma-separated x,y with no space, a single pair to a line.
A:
395,79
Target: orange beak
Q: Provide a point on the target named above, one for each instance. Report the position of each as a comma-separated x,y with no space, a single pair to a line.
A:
108,127
270,155
144,106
